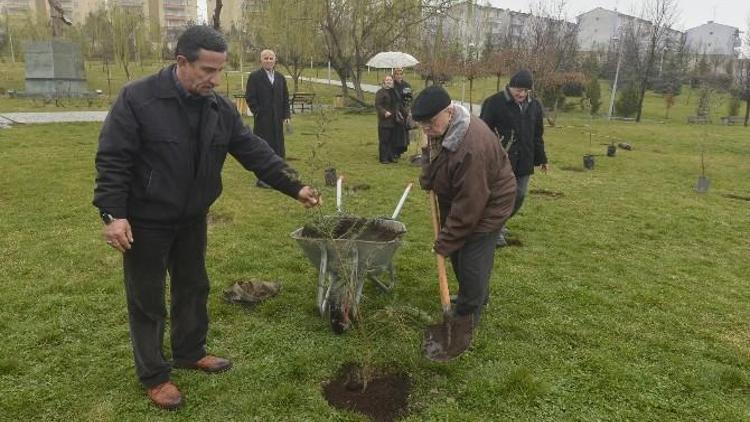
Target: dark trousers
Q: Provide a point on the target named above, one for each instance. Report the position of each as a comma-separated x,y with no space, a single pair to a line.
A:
180,250
522,187
385,144
472,265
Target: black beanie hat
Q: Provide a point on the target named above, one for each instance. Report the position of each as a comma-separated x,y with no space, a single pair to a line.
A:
522,79
431,101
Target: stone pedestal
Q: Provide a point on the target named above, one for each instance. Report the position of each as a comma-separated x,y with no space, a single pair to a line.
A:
55,69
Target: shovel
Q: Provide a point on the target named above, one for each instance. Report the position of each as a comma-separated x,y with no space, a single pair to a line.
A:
446,341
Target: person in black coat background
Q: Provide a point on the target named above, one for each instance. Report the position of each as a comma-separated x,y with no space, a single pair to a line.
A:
388,106
268,98
517,119
404,91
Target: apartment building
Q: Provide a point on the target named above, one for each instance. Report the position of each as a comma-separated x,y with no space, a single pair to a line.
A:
714,39
470,24
22,7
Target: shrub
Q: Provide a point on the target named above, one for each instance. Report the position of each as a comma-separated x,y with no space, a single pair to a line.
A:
627,101
733,107
594,94
573,89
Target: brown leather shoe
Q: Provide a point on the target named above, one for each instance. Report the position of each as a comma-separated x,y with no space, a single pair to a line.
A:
209,363
165,395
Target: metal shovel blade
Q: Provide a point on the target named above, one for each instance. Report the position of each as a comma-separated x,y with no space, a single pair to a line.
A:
702,185
446,341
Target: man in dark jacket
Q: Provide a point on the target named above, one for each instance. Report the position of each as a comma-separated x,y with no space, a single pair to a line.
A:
517,119
268,98
472,179
161,151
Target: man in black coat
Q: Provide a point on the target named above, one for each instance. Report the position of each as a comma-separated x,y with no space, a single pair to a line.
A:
161,151
517,119
267,96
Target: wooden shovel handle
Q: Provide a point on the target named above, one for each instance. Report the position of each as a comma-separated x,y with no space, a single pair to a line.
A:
445,298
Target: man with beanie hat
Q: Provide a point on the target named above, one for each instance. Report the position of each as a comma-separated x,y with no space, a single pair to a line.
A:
517,119
472,179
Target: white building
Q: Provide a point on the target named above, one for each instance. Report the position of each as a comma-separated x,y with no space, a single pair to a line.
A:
598,27
469,24
714,39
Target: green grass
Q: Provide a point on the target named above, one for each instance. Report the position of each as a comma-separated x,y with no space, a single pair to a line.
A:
628,300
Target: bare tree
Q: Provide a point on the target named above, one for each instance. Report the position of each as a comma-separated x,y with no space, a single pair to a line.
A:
290,28
662,14
217,15
354,30
549,48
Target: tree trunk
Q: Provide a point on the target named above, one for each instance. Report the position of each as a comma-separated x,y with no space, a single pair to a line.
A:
217,15
747,111
357,83
471,102
497,84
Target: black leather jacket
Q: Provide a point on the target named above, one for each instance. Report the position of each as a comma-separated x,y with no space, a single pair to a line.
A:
146,163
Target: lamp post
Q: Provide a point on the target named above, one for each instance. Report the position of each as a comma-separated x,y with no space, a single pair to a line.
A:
617,75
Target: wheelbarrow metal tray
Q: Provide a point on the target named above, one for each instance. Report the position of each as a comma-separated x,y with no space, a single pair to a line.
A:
371,254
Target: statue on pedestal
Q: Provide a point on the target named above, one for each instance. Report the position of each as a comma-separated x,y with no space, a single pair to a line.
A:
57,18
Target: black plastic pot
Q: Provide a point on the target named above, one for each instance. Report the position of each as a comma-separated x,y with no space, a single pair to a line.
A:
702,185
611,150
588,162
330,176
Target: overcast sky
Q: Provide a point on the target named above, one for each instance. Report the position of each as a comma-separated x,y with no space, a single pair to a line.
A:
691,12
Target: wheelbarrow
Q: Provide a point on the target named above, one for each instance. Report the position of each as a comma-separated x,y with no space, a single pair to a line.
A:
344,263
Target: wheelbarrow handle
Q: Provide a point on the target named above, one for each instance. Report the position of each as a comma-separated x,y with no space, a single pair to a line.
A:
445,299
400,205
339,181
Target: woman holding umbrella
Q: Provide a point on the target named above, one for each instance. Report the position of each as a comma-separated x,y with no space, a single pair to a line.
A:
390,119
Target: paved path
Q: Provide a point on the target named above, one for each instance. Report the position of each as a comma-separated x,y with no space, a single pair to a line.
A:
374,88
53,117
7,119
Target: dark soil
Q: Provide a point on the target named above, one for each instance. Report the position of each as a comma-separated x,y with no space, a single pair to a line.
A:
349,227
360,186
219,218
548,193
385,398
733,196
513,242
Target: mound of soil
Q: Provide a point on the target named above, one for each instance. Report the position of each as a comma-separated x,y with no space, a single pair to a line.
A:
548,193
733,196
349,227
572,168
385,397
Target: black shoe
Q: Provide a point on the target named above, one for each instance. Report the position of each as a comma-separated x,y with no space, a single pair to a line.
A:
386,162
262,184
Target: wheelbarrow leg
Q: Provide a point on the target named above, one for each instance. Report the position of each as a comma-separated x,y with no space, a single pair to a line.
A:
390,274
324,291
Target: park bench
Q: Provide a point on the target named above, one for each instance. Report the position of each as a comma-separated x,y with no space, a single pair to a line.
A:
732,120
698,119
301,101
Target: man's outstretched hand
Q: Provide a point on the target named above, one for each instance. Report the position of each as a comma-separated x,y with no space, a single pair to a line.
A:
310,197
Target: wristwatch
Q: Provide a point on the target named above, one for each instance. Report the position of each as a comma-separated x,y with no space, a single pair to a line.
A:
107,218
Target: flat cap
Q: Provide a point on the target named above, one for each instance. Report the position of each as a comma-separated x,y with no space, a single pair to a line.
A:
522,79
431,101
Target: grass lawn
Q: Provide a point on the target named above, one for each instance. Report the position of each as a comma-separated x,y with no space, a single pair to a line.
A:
627,300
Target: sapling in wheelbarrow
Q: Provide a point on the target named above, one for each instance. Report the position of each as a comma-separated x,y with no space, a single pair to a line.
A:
347,249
